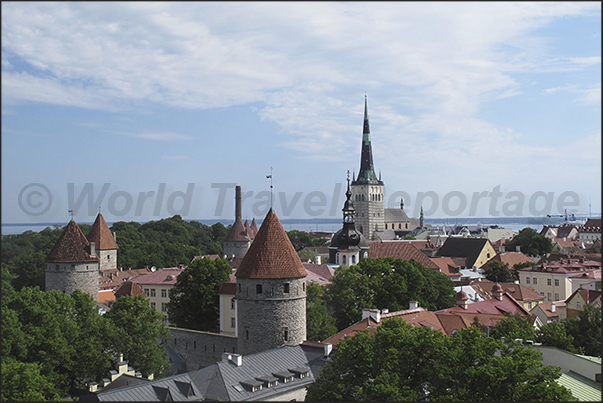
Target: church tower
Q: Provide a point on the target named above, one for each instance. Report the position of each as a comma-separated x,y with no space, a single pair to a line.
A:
367,190
271,292
104,242
73,264
348,246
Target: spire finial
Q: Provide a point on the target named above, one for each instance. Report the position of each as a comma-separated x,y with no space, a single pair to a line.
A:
270,177
70,213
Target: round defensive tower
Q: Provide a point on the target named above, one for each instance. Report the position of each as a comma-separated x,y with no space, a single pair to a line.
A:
72,264
271,292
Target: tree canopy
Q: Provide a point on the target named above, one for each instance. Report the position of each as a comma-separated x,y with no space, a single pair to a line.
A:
194,298
499,272
585,329
386,283
58,340
406,363
530,242
319,324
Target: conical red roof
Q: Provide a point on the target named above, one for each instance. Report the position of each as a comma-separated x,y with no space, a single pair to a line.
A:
237,232
101,235
254,228
71,247
271,255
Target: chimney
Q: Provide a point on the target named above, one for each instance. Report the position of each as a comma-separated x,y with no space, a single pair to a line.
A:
115,236
317,259
226,357
328,348
413,305
518,249
237,359
238,202
553,308
93,387
372,313
92,249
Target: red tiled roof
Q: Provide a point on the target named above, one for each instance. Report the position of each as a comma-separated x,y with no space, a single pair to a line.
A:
71,247
106,296
399,249
271,255
229,287
492,306
254,228
510,258
129,288
113,278
320,274
546,308
351,331
519,292
160,277
593,223
237,232
564,265
101,235
447,266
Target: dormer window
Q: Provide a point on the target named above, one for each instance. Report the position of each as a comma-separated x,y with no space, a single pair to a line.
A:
284,376
252,385
300,372
269,381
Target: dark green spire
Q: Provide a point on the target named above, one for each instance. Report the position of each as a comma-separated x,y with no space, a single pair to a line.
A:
366,175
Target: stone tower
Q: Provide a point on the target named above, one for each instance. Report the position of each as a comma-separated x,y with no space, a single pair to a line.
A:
239,238
104,242
72,263
367,190
271,292
348,246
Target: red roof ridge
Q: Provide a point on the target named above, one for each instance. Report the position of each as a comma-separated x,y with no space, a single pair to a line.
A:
101,235
71,247
271,255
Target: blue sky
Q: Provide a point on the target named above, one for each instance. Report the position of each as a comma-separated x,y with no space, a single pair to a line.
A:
464,99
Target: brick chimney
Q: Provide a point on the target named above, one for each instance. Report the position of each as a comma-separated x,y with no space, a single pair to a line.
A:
238,212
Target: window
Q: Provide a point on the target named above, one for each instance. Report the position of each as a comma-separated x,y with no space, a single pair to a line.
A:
488,255
56,267
529,305
527,280
343,259
286,334
385,226
153,305
233,322
258,289
163,307
556,282
578,305
170,293
163,293
146,292
548,296
246,334
556,296
286,288
535,281
232,304
353,259
152,292
548,281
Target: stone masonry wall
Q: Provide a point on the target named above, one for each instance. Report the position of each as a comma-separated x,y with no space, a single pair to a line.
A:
108,259
200,349
70,277
266,319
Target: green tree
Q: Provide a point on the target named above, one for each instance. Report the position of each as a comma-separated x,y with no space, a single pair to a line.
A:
305,255
23,381
499,272
386,283
554,334
63,334
319,324
403,363
514,327
138,331
301,239
194,300
586,330
530,243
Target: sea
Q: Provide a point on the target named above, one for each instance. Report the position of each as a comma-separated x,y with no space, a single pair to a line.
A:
332,225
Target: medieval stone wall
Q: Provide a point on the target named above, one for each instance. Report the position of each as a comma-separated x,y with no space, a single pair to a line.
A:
272,318
68,277
200,349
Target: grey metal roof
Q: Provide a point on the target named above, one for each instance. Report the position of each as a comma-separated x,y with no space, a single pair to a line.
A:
395,215
224,380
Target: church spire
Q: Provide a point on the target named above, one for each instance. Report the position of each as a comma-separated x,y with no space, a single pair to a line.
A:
366,175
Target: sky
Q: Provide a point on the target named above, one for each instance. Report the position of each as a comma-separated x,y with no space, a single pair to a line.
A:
147,110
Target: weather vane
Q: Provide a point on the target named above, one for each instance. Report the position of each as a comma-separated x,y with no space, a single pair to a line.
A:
270,177
70,213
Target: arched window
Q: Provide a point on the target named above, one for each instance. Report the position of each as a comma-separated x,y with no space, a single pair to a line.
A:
343,259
